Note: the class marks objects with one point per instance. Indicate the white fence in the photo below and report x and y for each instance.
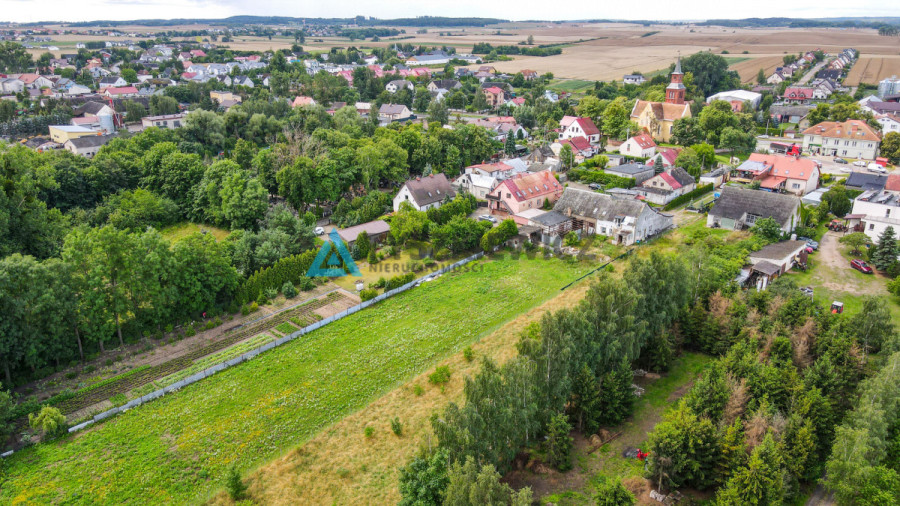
(266, 347)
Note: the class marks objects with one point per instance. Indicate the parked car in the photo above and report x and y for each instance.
(817, 162)
(861, 266)
(840, 160)
(860, 163)
(487, 217)
(874, 167)
(319, 230)
(595, 186)
(809, 242)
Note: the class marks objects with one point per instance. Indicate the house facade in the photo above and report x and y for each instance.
(786, 173)
(739, 208)
(666, 186)
(524, 191)
(639, 146)
(571, 127)
(625, 220)
(164, 121)
(879, 209)
(393, 112)
(425, 193)
(852, 138)
(476, 184)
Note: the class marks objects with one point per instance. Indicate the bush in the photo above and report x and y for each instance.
(305, 283)
(189, 331)
(271, 293)
(398, 281)
(418, 390)
(49, 421)
(372, 257)
(245, 310)
(571, 239)
(397, 427)
(611, 492)
(368, 294)
(209, 325)
(442, 254)
(254, 307)
(596, 176)
(262, 300)
(440, 375)
(687, 197)
(235, 485)
(289, 290)
(380, 283)
(468, 353)
(369, 431)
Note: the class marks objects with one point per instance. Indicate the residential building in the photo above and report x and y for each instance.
(571, 126)
(425, 193)
(524, 191)
(635, 79)
(638, 171)
(889, 86)
(639, 146)
(302, 101)
(739, 208)
(774, 260)
(476, 184)
(852, 138)
(112, 82)
(888, 122)
(658, 118)
(879, 209)
(124, 91)
(494, 96)
(376, 230)
(87, 146)
(798, 95)
(667, 155)
(581, 148)
(393, 112)
(625, 220)
(221, 96)
(791, 174)
(101, 113)
(399, 84)
(789, 113)
(499, 170)
(10, 85)
(865, 181)
(443, 84)
(164, 121)
(666, 186)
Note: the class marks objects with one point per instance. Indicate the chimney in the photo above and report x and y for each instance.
(418, 178)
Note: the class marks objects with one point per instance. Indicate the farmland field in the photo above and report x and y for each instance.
(749, 68)
(177, 449)
(871, 69)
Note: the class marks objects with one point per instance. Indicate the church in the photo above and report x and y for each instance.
(658, 118)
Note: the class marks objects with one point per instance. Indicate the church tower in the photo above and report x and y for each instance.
(675, 90)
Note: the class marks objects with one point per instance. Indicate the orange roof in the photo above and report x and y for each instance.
(853, 129)
(528, 186)
(662, 110)
(644, 141)
(787, 166)
(892, 183)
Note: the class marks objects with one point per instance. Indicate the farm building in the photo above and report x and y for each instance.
(739, 208)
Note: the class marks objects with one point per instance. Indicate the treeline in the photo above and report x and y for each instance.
(760, 422)
(368, 33)
(572, 369)
(486, 48)
(802, 23)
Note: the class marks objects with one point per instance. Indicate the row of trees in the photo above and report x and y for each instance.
(573, 368)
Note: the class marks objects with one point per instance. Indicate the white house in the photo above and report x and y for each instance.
(425, 192)
(571, 126)
(852, 138)
(888, 122)
(87, 146)
(735, 97)
(880, 208)
(639, 146)
(164, 121)
(397, 85)
(636, 79)
(476, 184)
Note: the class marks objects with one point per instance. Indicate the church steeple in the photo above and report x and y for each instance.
(675, 90)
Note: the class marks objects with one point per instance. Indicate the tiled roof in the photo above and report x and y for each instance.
(588, 126)
(430, 189)
(892, 183)
(529, 186)
(644, 141)
(662, 110)
(852, 129)
(578, 143)
(736, 202)
(787, 166)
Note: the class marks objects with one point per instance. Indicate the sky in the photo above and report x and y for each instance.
(88, 10)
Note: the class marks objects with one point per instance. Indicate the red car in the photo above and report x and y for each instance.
(861, 266)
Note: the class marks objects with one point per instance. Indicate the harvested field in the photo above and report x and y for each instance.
(871, 69)
(748, 69)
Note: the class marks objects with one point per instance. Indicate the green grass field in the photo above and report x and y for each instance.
(180, 231)
(734, 60)
(177, 449)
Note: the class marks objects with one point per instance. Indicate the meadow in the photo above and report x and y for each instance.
(178, 448)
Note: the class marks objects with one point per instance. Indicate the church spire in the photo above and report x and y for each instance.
(675, 90)
(678, 65)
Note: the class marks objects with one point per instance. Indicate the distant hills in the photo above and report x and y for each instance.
(848, 22)
(424, 21)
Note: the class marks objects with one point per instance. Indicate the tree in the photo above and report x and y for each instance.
(761, 77)
(736, 140)
(706, 155)
(658, 166)
(837, 200)
(890, 147)
(438, 112)
(235, 485)
(616, 119)
(479, 102)
(205, 128)
(590, 107)
(244, 200)
(470, 485)
(617, 396)
(162, 104)
(710, 73)
(856, 240)
(509, 146)
(611, 492)
(689, 161)
(684, 449)
(886, 251)
(424, 480)
(585, 405)
(873, 325)
(129, 75)
(49, 421)
(687, 132)
(567, 157)
(768, 229)
(134, 111)
(559, 444)
(14, 58)
(530, 40)
(760, 482)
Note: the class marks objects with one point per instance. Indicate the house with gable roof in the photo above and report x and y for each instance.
(739, 208)
(852, 138)
(572, 126)
(425, 193)
(625, 220)
(639, 146)
(524, 191)
(667, 155)
(666, 186)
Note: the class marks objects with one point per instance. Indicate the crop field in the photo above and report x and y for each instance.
(177, 449)
(572, 85)
(749, 68)
(871, 69)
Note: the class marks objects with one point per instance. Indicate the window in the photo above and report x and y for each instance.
(795, 186)
(508, 196)
(887, 213)
(871, 226)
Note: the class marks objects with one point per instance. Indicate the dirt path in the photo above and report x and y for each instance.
(829, 253)
(832, 270)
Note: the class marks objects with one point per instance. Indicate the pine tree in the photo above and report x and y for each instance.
(887, 250)
(559, 444)
(617, 396)
(658, 165)
(510, 147)
(586, 401)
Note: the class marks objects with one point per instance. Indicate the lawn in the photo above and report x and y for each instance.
(177, 449)
(396, 265)
(178, 232)
(734, 60)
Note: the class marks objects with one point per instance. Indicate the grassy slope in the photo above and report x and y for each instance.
(182, 230)
(178, 448)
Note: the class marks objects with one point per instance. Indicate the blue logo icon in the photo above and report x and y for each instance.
(328, 261)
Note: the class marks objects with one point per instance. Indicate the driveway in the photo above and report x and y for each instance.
(829, 251)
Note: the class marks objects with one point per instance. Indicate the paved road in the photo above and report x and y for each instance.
(812, 72)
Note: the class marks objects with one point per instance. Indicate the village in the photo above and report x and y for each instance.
(400, 228)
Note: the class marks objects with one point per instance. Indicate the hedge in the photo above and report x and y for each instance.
(290, 269)
(687, 197)
(598, 176)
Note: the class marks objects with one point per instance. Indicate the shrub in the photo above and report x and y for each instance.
(611, 492)
(372, 257)
(254, 307)
(169, 328)
(442, 254)
(235, 485)
(468, 353)
(245, 310)
(89, 369)
(418, 390)
(210, 325)
(429, 262)
(71, 375)
(49, 421)
(369, 431)
(271, 293)
(262, 300)
(305, 283)
(398, 281)
(380, 283)
(689, 196)
(368, 294)
(289, 290)
(416, 266)
(572, 239)
(440, 375)
(108, 362)
(397, 427)
(190, 332)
